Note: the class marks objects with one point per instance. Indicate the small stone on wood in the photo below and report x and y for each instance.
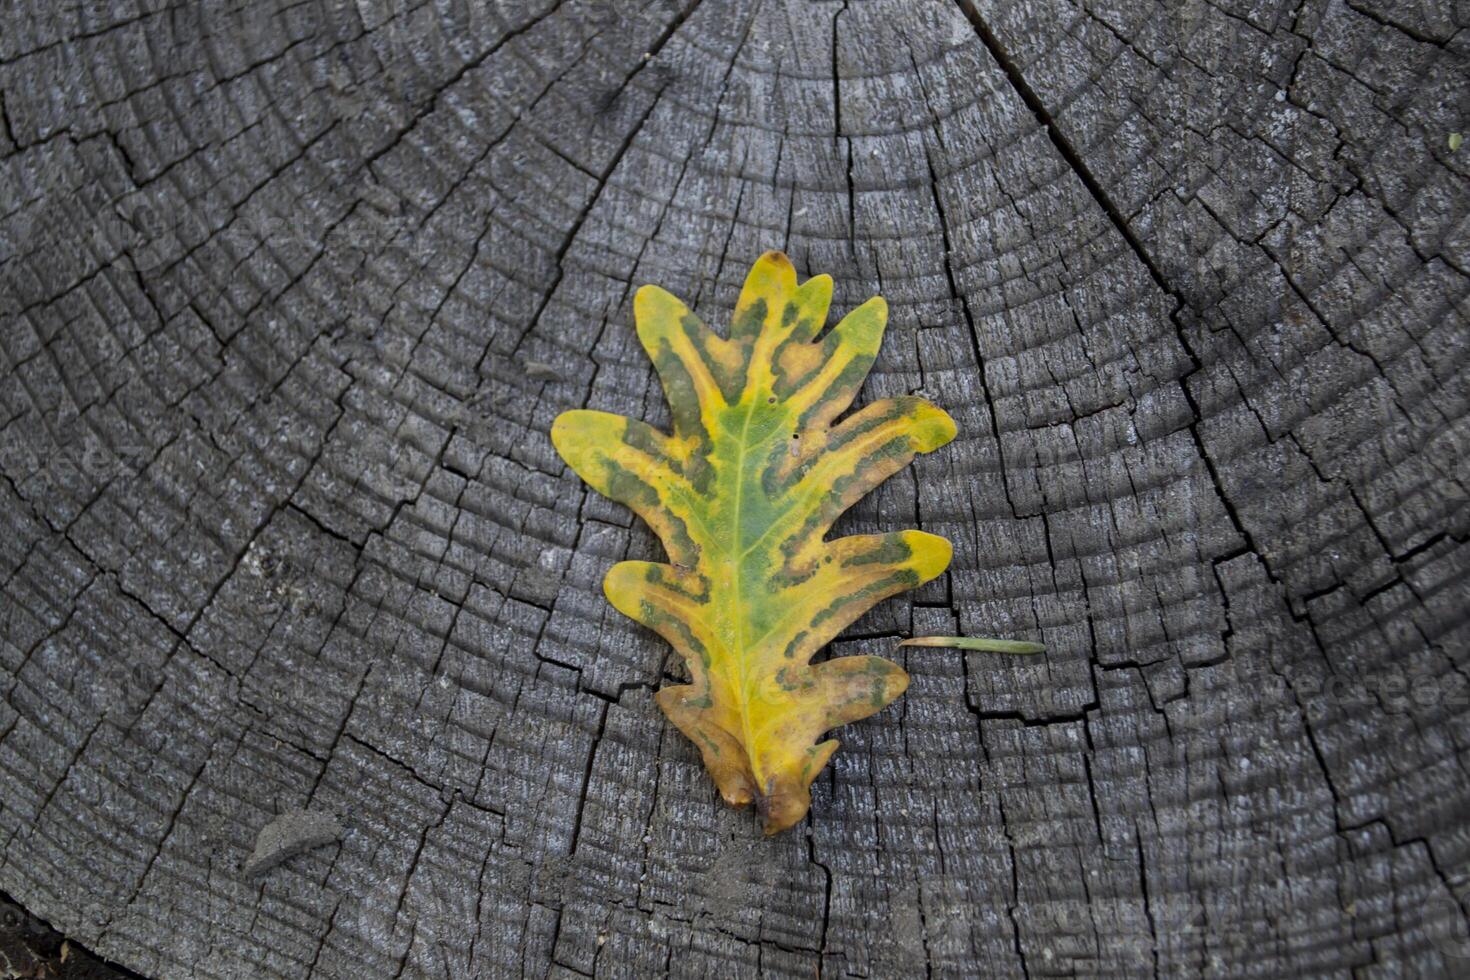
(293, 832)
(541, 371)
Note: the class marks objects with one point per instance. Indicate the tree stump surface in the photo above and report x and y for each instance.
(293, 291)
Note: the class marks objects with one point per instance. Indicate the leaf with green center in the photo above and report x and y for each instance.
(742, 494)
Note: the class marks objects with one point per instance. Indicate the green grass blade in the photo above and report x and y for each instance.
(984, 643)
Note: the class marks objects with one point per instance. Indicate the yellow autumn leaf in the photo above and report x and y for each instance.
(742, 494)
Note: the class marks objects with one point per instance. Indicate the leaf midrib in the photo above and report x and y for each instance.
(739, 599)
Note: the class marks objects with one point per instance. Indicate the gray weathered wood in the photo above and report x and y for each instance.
(291, 292)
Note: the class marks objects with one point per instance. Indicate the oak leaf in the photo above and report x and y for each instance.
(742, 494)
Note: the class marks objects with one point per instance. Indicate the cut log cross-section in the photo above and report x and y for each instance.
(290, 294)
